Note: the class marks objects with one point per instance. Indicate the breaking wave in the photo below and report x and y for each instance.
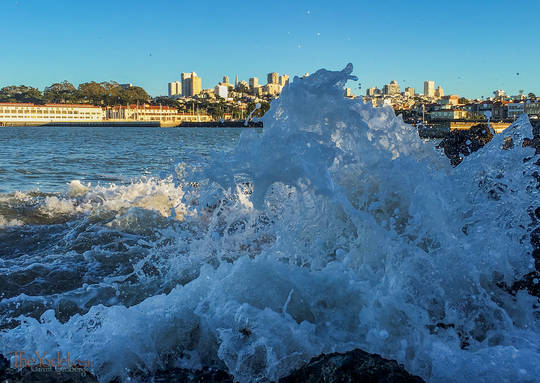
(336, 228)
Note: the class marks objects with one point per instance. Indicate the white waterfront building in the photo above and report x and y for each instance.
(22, 113)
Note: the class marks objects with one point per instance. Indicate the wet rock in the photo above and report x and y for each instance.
(459, 143)
(352, 366)
(192, 376)
(36, 375)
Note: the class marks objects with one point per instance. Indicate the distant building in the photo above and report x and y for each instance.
(125, 86)
(515, 109)
(253, 83)
(448, 114)
(429, 89)
(225, 79)
(273, 78)
(409, 92)
(499, 93)
(532, 108)
(272, 89)
(392, 88)
(439, 93)
(283, 79)
(165, 114)
(347, 93)
(373, 91)
(452, 99)
(16, 113)
(222, 91)
(191, 84)
(175, 88)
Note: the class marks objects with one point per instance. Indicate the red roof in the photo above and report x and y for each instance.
(48, 105)
(133, 106)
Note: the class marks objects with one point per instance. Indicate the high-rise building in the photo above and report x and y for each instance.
(392, 88)
(439, 93)
(191, 84)
(221, 91)
(253, 83)
(429, 88)
(273, 78)
(175, 88)
(283, 79)
(409, 92)
(373, 91)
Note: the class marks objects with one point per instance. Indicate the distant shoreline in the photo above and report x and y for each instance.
(153, 124)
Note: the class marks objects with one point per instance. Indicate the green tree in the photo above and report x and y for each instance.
(463, 100)
(133, 95)
(532, 96)
(60, 93)
(91, 93)
(21, 93)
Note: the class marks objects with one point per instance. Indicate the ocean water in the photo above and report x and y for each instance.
(336, 227)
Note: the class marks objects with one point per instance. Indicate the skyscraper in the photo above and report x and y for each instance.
(253, 82)
(175, 88)
(392, 88)
(191, 84)
(429, 89)
(273, 78)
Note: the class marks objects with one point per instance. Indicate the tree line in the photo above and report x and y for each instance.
(106, 93)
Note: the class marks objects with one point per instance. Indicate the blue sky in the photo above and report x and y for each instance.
(468, 47)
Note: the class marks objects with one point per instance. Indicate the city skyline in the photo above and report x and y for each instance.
(484, 49)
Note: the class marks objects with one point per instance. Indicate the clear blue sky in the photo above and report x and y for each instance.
(468, 47)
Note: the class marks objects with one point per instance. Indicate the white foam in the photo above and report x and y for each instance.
(352, 232)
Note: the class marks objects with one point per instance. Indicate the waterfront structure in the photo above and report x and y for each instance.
(429, 89)
(409, 92)
(222, 91)
(273, 78)
(392, 88)
(532, 108)
(515, 109)
(163, 114)
(449, 114)
(191, 84)
(175, 88)
(21, 113)
(347, 93)
(283, 80)
(253, 83)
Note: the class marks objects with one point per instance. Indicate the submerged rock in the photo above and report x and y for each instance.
(352, 366)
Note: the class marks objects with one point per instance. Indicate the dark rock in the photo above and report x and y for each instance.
(181, 375)
(29, 375)
(529, 282)
(465, 142)
(352, 366)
